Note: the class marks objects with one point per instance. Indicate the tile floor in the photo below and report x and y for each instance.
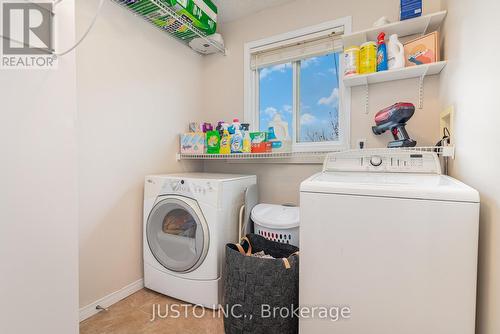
(133, 316)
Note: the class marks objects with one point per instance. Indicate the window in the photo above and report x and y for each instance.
(295, 79)
(275, 95)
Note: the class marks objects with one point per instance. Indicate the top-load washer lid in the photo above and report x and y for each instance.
(388, 173)
(398, 185)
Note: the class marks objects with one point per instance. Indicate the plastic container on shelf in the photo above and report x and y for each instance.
(235, 126)
(237, 142)
(351, 61)
(281, 132)
(368, 58)
(382, 63)
(395, 53)
(225, 142)
(247, 140)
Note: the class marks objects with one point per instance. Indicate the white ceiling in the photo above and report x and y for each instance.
(230, 10)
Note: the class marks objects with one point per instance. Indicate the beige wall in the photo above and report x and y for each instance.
(134, 99)
(137, 89)
(223, 85)
(39, 194)
(470, 82)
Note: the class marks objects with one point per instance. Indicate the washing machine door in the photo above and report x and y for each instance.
(177, 233)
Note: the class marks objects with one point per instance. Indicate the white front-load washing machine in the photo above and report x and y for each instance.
(188, 219)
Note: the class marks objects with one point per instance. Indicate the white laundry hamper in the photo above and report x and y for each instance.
(277, 223)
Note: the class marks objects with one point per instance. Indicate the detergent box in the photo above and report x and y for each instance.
(423, 50)
(213, 142)
(410, 9)
(202, 14)
(260, 144)
(193, 143)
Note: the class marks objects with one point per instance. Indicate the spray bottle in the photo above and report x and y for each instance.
(382, 64)
(235, 126)
(225, 141)
(247, 140)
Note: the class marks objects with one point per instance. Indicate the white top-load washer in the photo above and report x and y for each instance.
(386, 235)
(188, 219)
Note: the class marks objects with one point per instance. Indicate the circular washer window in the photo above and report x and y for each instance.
(177, 234)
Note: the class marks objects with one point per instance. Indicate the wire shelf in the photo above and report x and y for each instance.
(446, 151)
(250, 156)
(164, 10)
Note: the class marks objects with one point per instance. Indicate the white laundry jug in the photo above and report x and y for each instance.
(395, 53)
(282, 134)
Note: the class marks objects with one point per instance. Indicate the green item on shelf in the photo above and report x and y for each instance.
(213, 142)
(258, 137)
(202, 14)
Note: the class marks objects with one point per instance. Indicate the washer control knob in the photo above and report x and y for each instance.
(376, 161)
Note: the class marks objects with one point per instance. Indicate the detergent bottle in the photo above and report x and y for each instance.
(235, 126)
(237, 141)
(276, 144)
(247, 140)
(382, 64)
(280, 128)
(395, 53)
(368, 58)
(225, 142)
(220, 127)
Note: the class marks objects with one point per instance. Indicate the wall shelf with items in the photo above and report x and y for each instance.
(446, 151)
(255, 156)
(166, 19)
(396, 74)
(407, 28)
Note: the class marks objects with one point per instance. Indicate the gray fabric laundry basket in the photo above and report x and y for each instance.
(254, 287)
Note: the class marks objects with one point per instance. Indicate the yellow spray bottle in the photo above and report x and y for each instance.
(247, 141)
(225, 142)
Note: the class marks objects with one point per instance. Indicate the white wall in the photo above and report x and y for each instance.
(38, 195)
(223, 88)
(137, 90)
(470, 82)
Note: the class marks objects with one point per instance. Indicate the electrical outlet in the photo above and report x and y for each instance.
(361, 143)
(447, 121)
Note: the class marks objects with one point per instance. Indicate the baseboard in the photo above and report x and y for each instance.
(90, 310)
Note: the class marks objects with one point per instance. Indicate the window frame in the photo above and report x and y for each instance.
(251, 83)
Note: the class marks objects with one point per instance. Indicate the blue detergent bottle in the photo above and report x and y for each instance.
(382, 61)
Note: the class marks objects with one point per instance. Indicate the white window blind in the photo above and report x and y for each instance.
(317, 44)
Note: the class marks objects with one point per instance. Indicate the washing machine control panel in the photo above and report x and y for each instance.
(191, 188)
(380, 160)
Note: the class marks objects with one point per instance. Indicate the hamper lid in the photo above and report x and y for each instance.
(276, 216)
